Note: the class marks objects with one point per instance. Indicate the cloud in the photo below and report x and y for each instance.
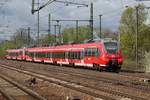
(18, 13)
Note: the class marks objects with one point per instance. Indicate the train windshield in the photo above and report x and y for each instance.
(111, 47)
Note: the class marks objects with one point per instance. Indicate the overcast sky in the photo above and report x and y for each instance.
(16, 14)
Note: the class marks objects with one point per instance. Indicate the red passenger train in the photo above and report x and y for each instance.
(100, 54)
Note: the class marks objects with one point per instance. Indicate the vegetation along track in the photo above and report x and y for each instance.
(7, 83)
(66, 81)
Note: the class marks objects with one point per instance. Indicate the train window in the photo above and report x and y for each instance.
(95, 52)
(20, 52)
(36, 54)
(91, 52)
(78, 55)
(31, 54)
(53, 54)
(82, 54)
(111, 47)
(73, 55)
(69, 55)
(49, 55)
(44, 54)
(65, 55)
(26, 52)
(58, 54)
(87, 52)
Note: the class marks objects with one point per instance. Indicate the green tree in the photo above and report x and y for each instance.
(4, 46)
(47, 39)
(19, 40)
(128, 29)
(70, 34)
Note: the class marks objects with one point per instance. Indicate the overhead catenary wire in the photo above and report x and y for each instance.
(112, 13)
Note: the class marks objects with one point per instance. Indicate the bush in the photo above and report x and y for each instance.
(130, 65)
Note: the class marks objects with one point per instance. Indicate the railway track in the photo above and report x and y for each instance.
(135, 84)
(141, 75)
(69, 85)
(124, 74)
(9, 87)
(129, 83)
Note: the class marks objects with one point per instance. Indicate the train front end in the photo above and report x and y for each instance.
(112, 56)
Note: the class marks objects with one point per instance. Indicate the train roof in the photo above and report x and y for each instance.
(109, 40)
(14, 50)
(89, 43)
(64, 47)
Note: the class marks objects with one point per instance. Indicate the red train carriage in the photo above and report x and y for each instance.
(12, 54)
(102, 54)
(18, 54)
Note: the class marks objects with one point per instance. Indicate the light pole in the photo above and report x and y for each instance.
(49, 24)
(38, 26)
(77, 29)
(100, 24)
(28, 36)
(77, 25)
(33, 10)
(55, 32)
(91, 19)
(137, 32)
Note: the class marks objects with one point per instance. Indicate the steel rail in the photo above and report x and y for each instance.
(23, 88)
(116, 93)
(62, 83)
(132, 84)
(46, 77)
(5, 94)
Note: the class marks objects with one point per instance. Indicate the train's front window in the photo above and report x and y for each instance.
(111, 47)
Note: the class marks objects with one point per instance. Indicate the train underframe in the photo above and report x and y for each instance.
(113, 65)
